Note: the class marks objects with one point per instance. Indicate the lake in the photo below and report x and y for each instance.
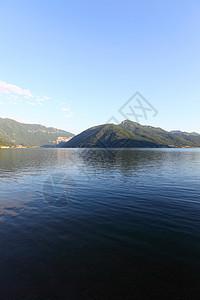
(100, 224)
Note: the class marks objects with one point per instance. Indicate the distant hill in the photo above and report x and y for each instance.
(178, 132)
(3, 144)
(163, 137)
(130, 134)
(28, 135)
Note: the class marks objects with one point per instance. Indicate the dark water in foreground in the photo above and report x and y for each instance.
(94, 224)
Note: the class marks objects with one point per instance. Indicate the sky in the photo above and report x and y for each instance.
(75, 64)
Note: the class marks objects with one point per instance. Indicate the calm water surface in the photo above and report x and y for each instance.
(99, 224)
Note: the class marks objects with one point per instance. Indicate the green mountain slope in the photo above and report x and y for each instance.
(162, 137)
(3, 144)
(130, 134)
(108, 135)
(178, 132)
(28, 135)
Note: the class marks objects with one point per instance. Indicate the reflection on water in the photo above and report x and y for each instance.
(99, 224)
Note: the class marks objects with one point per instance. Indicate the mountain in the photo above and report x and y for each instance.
(130, 134)
(29, 135)
(3, 144)
(178, 132)
(108, 135)
(162, 137)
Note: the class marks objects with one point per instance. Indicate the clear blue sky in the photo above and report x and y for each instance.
(73, 64)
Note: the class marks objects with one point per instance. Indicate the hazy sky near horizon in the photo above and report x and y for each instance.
(73, 64)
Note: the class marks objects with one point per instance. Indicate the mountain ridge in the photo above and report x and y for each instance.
(14, 133)
(130, 134)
